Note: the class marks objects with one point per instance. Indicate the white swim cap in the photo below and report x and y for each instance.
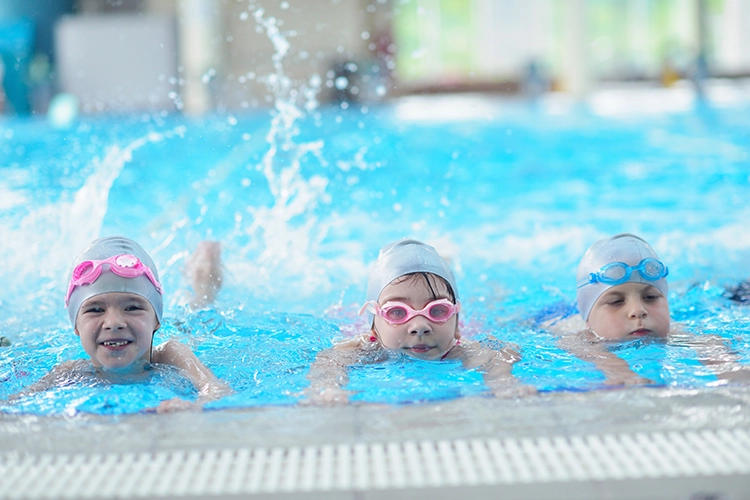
(405, 257)
(639, 260)
(146, 283)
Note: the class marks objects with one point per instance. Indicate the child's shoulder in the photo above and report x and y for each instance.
(74, 366)
(560, 326)
(164, 352)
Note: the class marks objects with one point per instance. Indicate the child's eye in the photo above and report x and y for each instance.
(439, 311)
(396, 313)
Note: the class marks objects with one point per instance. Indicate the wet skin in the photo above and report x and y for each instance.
(630, 310)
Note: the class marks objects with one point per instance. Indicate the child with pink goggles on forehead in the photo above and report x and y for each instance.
(115, 304)
(412, 305)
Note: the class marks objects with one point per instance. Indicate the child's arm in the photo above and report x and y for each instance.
(496, 367)
(57, 377)
(329, 373)
(714, 353)
(615, 369)
(208, 385)
(204, 270)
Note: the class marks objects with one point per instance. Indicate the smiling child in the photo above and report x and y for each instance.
(114, 302)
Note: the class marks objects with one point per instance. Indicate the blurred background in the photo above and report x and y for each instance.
(198, 56)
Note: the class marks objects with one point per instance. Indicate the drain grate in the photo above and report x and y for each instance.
(377, 466)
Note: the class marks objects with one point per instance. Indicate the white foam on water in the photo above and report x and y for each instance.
(48, 237)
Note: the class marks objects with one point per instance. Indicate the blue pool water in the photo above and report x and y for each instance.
(511, 193)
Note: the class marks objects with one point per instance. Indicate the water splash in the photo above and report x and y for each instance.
(285, 238)
(54, 233)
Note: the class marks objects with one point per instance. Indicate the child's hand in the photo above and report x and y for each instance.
(734, 375)
(510, 387)
(330, 396)
(175, 405)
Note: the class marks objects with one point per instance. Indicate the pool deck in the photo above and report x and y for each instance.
(546, 418)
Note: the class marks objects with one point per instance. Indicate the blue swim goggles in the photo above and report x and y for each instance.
(617, 273)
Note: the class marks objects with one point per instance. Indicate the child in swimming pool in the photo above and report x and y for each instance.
(412, 304)
(114, 301)
(622, 295)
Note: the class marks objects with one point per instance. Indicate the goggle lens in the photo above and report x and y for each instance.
(395, 314)
(440, 312)
(652, 269)
(83, 269)
(615, 272)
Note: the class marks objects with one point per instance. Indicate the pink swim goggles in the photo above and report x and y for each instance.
(125, 265)
(398, 313)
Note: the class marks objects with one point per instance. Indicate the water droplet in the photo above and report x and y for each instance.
(342, 82)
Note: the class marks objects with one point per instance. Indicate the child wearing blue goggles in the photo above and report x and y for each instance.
(622, 294)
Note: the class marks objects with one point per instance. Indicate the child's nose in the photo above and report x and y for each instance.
(114, 321)
(637, 310)
(420, 326)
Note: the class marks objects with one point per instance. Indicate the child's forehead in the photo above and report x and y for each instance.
(418, 282)
(631, 287)
(114, 297)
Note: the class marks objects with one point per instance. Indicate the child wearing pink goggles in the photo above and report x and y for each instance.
(412, 305)
(114, 301)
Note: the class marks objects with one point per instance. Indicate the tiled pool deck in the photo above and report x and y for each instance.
(639, 443)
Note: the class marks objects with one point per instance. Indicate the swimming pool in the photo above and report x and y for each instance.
(511, 192)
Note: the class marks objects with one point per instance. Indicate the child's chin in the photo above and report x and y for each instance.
(424, 356)
(118, 365)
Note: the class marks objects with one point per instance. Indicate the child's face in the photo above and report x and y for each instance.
(418, 337)
(630, 310)
(116, 329)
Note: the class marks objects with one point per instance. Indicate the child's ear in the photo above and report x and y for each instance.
(374, 334)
